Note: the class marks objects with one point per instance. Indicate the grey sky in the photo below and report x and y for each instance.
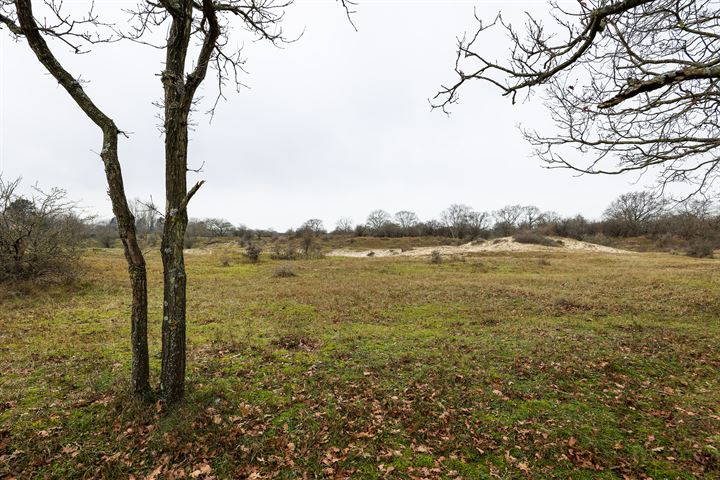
(334, 125)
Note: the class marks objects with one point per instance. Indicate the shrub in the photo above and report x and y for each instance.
(284, 271)
(153, 239)
(287, 253)
(190, 241)
(435, 256)
(598, 239)
(105, 234)
(668, 241)
(252, 253)
(700, 249)
(39, 235)
(536, 239)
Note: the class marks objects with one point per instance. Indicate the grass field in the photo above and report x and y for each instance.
(559, 365)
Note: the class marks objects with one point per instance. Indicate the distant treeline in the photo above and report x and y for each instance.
(630, 215)
(41, 234)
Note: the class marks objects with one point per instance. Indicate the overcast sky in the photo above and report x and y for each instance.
(334, 125)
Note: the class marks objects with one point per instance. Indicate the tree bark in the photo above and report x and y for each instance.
(116, 190)
(177, 110)
(172, 377)
(179, 94)
(140, 369)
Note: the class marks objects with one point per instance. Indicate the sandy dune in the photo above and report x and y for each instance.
(505, 244)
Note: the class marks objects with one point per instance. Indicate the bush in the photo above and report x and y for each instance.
(284, 271)
(700, 249)
(190, 241)
(668, 241)
(287, 253)
(536, 239)
(39, 235)
(252, 253)
(599, 239)
(435, 256)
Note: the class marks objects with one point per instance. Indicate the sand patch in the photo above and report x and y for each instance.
(505, 244)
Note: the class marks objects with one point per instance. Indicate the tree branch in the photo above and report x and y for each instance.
(638, 87)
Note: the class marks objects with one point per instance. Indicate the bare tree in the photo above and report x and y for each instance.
(478, 221)
(314, 226)
(377, 219)
(307, 232)
(209, 23)
(344, 225)
(530, 217)
(632, 211)
(456, 217)
(701, 208)
(406, 220)
(218, 227)
(507, 219)
(19, 18)
(632, 84)
(184, 22)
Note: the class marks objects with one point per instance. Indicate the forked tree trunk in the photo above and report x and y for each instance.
(113, 173)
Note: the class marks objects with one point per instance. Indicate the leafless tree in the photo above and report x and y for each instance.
(455, 218)
(377, 219)
(701, 208)
(344, 225)
(314, 226)
(478, 221)
(507, 218)
(207, 23)
(634, 210)
(406, 219)
(308, 232)
(696, 218)
(218, 227)
(634, 85)
(19, 18)
(549, 218)
(530, 217)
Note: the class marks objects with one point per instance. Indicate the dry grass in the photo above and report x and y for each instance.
(509, 365)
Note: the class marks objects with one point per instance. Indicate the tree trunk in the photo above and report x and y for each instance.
(179, 94)
(126, 222)
(177, 110)
(140, 369)
(172, 377)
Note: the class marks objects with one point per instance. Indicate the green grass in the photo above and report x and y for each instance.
(500, 366)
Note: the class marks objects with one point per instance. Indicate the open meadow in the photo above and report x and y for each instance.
(486, 365)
